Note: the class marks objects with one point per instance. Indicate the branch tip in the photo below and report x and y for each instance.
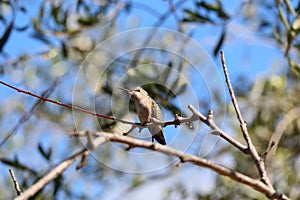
(16, 183)
(84, 160)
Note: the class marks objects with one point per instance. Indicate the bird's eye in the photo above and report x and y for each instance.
(138, 90)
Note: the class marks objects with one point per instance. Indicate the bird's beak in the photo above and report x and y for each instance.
(128, 91)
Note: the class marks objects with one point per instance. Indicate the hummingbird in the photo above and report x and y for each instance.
(146, 109)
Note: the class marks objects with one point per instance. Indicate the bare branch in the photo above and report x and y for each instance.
(210, 123)
(184, 158)
(56, 171)
(103, 137)
(259, 162)
(31, 111)
(17, 187)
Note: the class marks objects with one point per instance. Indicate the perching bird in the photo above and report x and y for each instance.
(146, 109)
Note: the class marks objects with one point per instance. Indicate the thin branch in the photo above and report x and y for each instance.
(259, 162)
(31, 111)
(56, 102)
(176, 17)
(16, 183)
(210, 123)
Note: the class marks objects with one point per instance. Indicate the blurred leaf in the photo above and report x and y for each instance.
(37, 25)
(296, 24)
(40, 37)
(23, 9)
(58, 182)
(137, 181)
(181, 89)
(283, 17)
(24, 28)
(276, 35)
(6, 35)
(87, 21)
(165, 74)
(297, 46)
(64, 49)
(264, 24)
(290, 7)
(16, 164)
(196, 17)
(220, 43)
(294, 66)
(217, 8)
(45, 153)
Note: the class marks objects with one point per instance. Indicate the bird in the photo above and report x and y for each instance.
(147, 109)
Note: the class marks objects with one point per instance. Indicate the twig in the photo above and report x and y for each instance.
(31, 111)
(17, 187)
(176, 17)
(210, 123)
(260, 165)
(56, 102)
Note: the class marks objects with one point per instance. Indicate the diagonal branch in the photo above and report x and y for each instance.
(184, 157)
(16, 183)
(210, 123)
(56, 171)
(259, 162)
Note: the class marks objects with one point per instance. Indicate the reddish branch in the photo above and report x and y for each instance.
(56, 102)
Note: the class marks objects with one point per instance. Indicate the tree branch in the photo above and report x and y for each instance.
(176, 122)
(184, 157)
(259, 162)
(17, 187)
(56, 171)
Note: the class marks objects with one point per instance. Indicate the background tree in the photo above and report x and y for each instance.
(52, 40)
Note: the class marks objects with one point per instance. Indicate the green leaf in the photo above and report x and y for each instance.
(277, 35)
(294, 66)
(196, 17)
(218, 8)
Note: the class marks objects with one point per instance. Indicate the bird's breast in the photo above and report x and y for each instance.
(143, 109)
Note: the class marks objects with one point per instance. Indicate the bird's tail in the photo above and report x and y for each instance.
(159, 137)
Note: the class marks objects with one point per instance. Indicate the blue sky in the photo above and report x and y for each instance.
(246, 53)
